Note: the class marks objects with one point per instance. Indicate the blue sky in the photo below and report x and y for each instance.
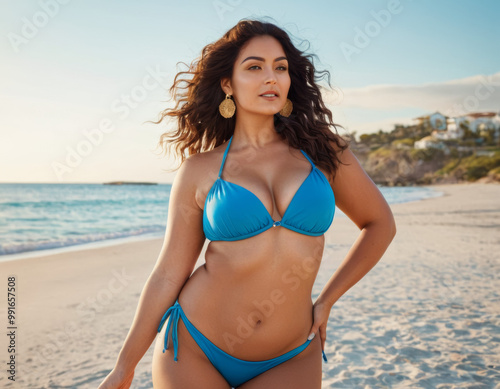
(69, 67)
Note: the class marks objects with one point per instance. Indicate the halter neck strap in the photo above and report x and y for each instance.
(308, 158)
(225, 155)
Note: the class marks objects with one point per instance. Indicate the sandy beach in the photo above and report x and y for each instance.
(426, 316)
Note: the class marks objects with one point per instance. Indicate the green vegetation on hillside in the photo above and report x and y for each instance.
(391, 159)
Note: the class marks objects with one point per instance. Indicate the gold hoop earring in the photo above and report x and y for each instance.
(227, 107)
(287, 109)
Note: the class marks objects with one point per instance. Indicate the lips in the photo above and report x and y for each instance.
(270, 93)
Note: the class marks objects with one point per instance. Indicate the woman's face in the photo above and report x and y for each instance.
(261, 66)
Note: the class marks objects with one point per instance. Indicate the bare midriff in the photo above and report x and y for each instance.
(252, 297)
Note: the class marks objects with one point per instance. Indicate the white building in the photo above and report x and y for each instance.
(478, 121)
(436, 120)
(428, 142)
(445, 128)
(453, 131)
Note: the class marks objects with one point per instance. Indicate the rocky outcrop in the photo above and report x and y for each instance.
(399, 167)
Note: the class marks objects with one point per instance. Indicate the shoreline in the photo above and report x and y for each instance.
(77, 247)
(130, 238)
(427, 312)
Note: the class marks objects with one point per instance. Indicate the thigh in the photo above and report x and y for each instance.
(302, 371)
(192, 370)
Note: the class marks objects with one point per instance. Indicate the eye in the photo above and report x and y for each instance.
(282, 67)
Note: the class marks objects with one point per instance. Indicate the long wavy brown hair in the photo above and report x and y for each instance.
(202, 128)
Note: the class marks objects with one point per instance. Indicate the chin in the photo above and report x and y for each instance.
(264, 113)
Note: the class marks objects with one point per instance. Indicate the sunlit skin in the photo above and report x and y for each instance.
(237, 273)
(278, 265)
(252, 77)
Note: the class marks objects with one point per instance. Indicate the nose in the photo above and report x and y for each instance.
(271, 80)
(270, 77)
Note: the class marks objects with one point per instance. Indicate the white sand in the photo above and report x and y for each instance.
(427, 315)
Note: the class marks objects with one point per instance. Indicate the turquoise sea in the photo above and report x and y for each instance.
(58, 217)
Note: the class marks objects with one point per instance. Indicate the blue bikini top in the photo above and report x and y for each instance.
(233, 213)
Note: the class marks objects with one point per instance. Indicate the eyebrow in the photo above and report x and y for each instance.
(262, 59)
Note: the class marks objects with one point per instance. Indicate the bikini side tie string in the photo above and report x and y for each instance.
(173, 312)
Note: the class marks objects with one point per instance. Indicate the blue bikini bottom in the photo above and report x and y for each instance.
(236, 371)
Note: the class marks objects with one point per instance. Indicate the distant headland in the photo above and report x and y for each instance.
(129, 183)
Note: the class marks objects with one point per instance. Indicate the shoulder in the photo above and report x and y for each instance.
(342, 145)
(198, 172)
(199, 164)
(342, 150)
(349, 170)
(191, 170)
(356, 195)
(206, 163)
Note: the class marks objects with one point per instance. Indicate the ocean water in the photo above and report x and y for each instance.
(46, 218)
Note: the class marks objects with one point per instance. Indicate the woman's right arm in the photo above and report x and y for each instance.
(183, 242)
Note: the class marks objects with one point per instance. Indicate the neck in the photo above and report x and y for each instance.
(255, 130)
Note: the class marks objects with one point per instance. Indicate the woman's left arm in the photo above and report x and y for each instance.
(361, 200)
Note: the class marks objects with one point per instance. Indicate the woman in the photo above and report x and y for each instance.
(264, 194)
